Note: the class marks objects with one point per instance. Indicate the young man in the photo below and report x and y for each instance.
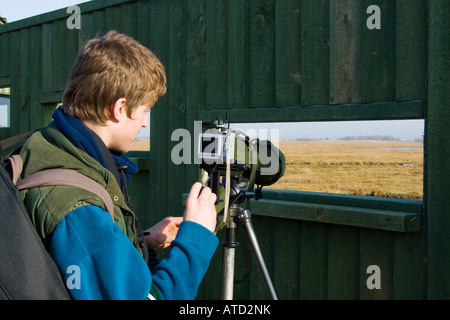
(113, 83)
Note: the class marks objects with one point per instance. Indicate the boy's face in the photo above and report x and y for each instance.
(129, 128)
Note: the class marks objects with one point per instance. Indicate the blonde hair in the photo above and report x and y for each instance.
(109, 68)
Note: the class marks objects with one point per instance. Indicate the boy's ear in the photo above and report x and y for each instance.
(119, 109)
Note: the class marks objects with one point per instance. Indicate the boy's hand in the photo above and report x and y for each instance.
(200, 206)
(163, 233)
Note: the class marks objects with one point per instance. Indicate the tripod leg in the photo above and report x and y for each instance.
(228, 258)
(228, 273)
(258, 255)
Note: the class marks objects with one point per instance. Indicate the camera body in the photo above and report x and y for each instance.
(230, 156)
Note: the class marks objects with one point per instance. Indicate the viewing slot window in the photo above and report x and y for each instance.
(4, 108)
(367, 158)
(142, 141)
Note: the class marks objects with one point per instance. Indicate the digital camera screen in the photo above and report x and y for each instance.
(211, 146)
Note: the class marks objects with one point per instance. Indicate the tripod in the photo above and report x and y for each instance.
(239, 193)
(237, 216)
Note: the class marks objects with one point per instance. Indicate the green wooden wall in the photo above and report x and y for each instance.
(276, 61)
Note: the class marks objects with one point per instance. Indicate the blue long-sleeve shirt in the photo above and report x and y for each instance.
(98, 260)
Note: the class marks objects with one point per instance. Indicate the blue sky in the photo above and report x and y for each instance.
(15, 10)
(401, 129)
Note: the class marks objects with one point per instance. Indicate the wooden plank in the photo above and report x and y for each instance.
(217, 54)
(315, 75)
(113, 18)
(15, 83)
(24, 74)
(411, 49)
(286, 276)
(129, 25)
(99, 26)
(345, 112)
(409, 267)
(238, 54)
(195, 71)
(378, 55)
(58, 56)
(36, 117)
(288, 78)
(262, 53)
(343, 263)
(48, 63)
(313, 260)
(139, 198)
(5, 55)
(65, 51)
(376, 249)
(143, 31)
(437, 146)
(158, 183)
(345, 51)
(177, 105)
(4, 48)
(86, 33)
(195, 98)
(335, 214)
(379, 203)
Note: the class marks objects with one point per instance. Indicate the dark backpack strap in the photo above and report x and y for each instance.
(67, 177)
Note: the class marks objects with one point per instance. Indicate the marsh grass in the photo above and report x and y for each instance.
(374, 168)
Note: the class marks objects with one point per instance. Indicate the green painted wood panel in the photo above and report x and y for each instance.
(345, 51)
(176, 105)
(315, 52)
(5, 54)
(262, 53)
(238, 54)
(158, 184)
(378, 55)
(288, 77)
(216, 20)
(437, 152)
(410, 49)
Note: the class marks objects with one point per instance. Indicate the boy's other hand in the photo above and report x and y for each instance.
(163, 233)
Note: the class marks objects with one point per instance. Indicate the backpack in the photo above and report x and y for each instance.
(27, 271)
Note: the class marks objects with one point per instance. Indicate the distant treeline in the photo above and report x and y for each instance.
(372, 137)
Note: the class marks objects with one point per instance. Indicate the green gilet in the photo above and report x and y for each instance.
(47, 206)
